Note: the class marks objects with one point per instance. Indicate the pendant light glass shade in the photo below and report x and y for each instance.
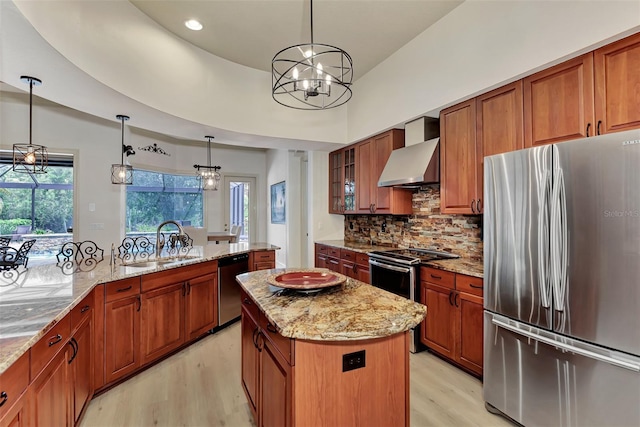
(30, 158)
(208, 175)
(122, 174)
(311, 76)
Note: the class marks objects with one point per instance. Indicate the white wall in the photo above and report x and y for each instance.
(96, 145)
(478, 46)
(278, 234)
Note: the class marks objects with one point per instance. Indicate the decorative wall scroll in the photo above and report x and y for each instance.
(154, 148)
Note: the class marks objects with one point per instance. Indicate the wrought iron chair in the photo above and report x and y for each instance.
(4, 241)
(13, 258)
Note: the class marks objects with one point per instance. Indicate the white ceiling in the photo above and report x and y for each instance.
(251, 32)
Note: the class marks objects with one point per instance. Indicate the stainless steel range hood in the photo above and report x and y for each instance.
(419, 161)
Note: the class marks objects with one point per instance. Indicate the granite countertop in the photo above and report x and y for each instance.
(33, 300)
(351, 311)
(462, 265)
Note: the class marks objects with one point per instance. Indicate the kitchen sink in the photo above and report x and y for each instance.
(158, 262)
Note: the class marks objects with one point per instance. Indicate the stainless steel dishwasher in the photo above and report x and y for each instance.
(229, 304)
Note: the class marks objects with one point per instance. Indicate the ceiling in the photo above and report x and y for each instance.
(251, 32)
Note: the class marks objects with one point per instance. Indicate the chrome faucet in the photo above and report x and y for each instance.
(160, 244)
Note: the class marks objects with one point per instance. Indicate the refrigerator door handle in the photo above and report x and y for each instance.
(559, 241)
(568, 347)
(543, 242)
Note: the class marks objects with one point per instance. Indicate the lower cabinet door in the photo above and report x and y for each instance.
(275, 387)
(250, 361)
(51, 393)
(18, 414)
(82, 368)
(122, 337)
(470, 346)
(363, 274)
(201, 305)
(440, 324)
(161, 322)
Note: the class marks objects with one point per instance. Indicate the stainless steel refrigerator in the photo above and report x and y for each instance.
(562, 282)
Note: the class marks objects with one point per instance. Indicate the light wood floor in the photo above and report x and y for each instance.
(200, 386)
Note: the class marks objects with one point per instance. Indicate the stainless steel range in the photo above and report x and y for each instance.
(397, 271)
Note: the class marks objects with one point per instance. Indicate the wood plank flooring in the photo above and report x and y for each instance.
(200, 386)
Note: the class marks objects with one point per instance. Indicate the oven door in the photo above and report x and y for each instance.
(397, 279)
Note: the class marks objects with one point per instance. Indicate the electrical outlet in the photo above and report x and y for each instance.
(353, 361)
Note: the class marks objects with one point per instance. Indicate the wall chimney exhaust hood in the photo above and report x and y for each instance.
(419, 161)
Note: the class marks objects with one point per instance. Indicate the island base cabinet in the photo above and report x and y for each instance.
(374, 395)
(122, 332)
(275, 387)
(82, 368)
(161, 321)
(250, 361)
(18, 414)
(201, 306)
(51, 398)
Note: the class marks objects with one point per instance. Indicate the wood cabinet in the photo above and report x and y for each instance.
(372, 157)
(51, 392)
(342, 180)
(617, 83)
(275, 386)
(17, 414)
(355, 265)
(262, 260)
(161, 321)
(122, 328)
(13, 393)
(559, 102)
(250, 359)
(458, 159)
(453, 327)
(82, 367)
(201, 306)
(320, 255)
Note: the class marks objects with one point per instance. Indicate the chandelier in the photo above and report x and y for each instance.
(122, 173)
(30, 158)
(208, 175)
(311, 76)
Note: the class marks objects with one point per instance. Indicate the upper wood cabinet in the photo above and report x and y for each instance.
(617, 77)
(372, 157)
(558, 102)
(458, 159)
(342, 180)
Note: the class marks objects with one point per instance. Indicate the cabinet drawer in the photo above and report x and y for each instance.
(264, 265)
(348, 255)
(176, 275)
(81, 311)
(249, 304)
(469, 284)
(283, 344)
(122, 289)
(334, 252)
(321, 249)
(263, 256)
(54, 340)
(13, 382)
(362, 259)
(437, 277)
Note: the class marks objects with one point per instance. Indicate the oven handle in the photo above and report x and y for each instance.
(389, 266)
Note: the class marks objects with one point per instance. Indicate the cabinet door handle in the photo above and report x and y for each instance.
(55, 340)
(598, 127)
(434, 276)
(188, 288)
(271, 328)
(84, 309)
(124, 289)
(254, 337)
(473, 206)
(588, 127)
(4, 396)
(139, 303)
(247, 301)
(479, 206)
(74, 345)
(455, 299)
(373, 208)
(475, 286)
(258, 346)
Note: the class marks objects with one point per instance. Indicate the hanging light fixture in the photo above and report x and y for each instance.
(122, 173)
(30, 158)
(311, 76)
(208, 175)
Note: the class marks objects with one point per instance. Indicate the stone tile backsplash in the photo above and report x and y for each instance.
(426, 228)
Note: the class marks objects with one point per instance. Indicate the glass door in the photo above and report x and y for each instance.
(240, 210)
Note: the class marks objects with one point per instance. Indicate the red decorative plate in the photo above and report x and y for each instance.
(306, 279)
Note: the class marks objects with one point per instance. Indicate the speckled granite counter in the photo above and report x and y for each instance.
(353, 311)
(35, 299)
(468, 266)
(462, 265)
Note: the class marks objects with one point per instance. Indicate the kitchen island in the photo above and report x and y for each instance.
(336, 357)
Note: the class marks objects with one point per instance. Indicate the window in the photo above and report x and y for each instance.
(155, 197)
(37, 206)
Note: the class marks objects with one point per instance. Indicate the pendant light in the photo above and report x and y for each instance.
(30, 158)
(311, 76)
(122, 173)
(208, 175)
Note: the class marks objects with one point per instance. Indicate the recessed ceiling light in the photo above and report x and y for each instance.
(192, 24)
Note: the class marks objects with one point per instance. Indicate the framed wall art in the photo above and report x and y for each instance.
(278, 203)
